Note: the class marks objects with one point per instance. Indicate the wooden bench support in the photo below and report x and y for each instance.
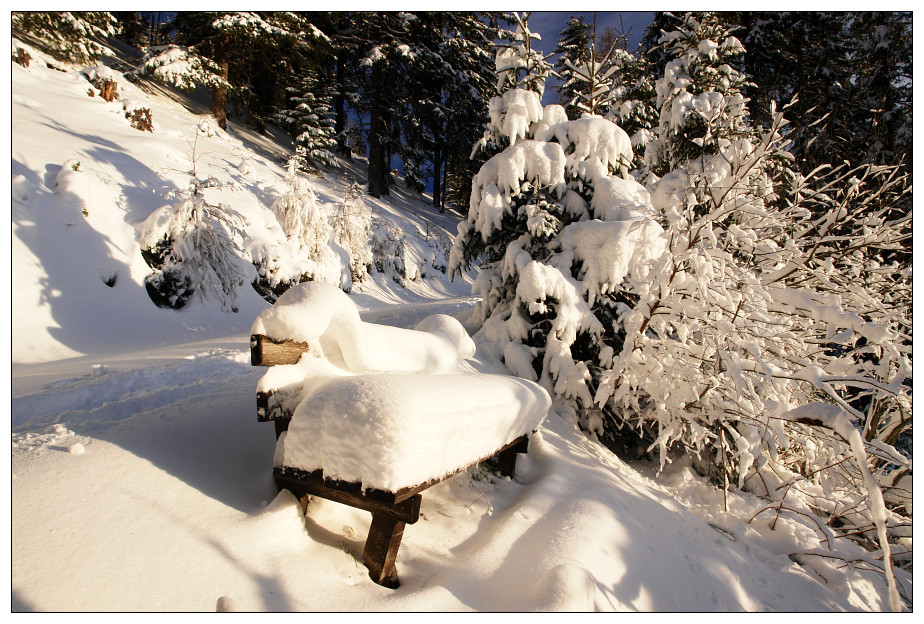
(391, 511)
(381, 550)
(507, 457)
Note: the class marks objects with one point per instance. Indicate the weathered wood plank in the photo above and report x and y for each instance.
(508, 451)
(300, 483)
(265, 351)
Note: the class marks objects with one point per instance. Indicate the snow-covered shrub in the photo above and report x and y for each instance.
(771, 339)
(352, 221)
(104, 80)
(307, 254)
(68, 35)
(193, 247)
(141, 119)
(22, 57)
(762, 330)
(389, 251)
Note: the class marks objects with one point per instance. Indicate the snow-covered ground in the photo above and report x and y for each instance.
(141, 480)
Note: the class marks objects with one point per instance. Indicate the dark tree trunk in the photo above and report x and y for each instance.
(437, 175)
(378, 135)
(220, 101)
(155, 24)
(340, 117)
(220, 94)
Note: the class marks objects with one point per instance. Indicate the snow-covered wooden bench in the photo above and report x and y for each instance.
(371, 416)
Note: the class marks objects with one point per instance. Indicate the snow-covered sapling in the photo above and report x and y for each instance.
(194, 248)
(352, 224)
(307, 253)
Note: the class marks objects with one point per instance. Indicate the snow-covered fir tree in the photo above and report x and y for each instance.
(219, 49)
(310, 119)
(633, 104)
(575, 43)
(587, 76)
(558, 231)
(518, 63)
(72, 36)
(701, 95)
(352, 223)
(194, 247)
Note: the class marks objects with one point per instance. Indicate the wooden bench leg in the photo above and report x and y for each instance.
(507, 459)
(381, 550)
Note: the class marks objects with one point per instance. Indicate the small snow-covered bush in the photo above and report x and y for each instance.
(193, 247)
(141, 119)
(307, 254)
(352, 222)
(22, 57)
(389, 251)
(104, 80)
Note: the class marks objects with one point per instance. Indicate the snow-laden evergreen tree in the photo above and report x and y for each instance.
(633, 101)
(518, 63)
(227, 51)
(588, 77)
(701, 95)
(575, 43)
(557, 231)
(72, 36)
(468, 86)
(311, 120)
(352, 223)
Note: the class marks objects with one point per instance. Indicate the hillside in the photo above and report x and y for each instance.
(141, 480)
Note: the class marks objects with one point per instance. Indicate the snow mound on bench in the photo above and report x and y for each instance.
(320, 313)
(394, 430)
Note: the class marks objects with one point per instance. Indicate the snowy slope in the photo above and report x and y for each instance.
(83, 182)
(141, 480)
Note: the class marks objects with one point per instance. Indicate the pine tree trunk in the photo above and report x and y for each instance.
(220, 97)
(378, 166)
(155, 24)
(437, 175)
(340, 109)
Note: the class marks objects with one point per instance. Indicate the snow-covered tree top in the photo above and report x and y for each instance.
(180, 67)
(518, 65)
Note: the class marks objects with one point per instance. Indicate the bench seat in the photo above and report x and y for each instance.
(389, 431)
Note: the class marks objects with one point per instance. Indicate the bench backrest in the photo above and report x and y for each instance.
(264, 351)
